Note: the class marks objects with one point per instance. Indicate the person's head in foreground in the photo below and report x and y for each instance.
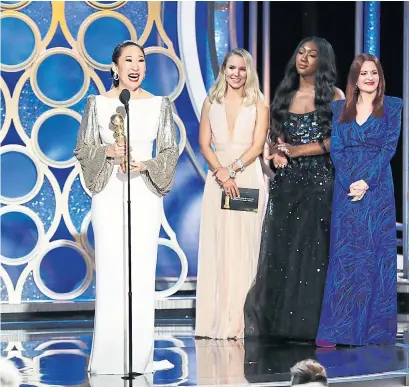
(9, 375)
(308, 372)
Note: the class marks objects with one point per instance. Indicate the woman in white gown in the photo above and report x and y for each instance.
(151, 178)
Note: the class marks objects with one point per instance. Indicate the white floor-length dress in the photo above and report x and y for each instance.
(109, 220)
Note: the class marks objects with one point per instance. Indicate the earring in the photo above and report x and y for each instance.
(116, 76)
(356, 89)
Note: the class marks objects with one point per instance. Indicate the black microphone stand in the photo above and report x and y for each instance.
(124, 98)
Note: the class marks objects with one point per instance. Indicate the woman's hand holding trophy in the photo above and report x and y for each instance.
(118, 148)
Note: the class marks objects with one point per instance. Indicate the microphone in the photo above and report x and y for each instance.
(125, 96)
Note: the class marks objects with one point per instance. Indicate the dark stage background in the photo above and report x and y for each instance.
(334, 21)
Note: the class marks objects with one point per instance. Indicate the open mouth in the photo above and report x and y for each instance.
(133, 77)
(370, 83)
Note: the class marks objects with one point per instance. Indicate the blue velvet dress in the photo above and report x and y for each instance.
(360, 304)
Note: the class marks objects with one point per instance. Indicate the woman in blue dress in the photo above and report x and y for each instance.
(359, 304)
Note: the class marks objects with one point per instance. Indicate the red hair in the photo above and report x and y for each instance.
(349, 112)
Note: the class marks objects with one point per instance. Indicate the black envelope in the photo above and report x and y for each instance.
(248, 200)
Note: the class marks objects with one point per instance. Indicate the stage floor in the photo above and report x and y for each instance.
(59, 356)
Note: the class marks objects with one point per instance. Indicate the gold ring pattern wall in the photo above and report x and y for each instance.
(56, 54)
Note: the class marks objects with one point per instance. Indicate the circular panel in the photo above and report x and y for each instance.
(54, 137)
(60, 77)
(13, 164)
(14, 5)
(17, 41)
(20, 39)
(108, 30)
(19, 236)
(108, 27)
(63, 270)
(58, 145)
(156, 66)
(161, 61)
(101, 5)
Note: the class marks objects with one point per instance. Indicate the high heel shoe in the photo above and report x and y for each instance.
(325, 344)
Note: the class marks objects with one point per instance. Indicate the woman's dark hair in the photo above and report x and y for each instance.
(308, 371)
(117, 53)
(325, 78)
(349, 112)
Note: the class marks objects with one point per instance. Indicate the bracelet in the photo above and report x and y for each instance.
(232, 172)
(106, 151)
(216, 170)
(240, 164)
(322, 145)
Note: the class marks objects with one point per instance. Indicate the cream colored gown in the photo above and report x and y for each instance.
(229, 240)
(220, 362)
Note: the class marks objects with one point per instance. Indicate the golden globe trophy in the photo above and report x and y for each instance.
(117, 120)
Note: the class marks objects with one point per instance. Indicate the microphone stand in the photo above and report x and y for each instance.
(130, 375)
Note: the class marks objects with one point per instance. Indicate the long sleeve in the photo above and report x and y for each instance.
(160, 170)
(393, 113)
(337, 149)
(338, 158)
(96, 167)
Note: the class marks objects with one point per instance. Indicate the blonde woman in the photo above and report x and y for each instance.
(233, 130)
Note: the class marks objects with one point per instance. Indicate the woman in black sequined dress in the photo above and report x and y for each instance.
(285, 300)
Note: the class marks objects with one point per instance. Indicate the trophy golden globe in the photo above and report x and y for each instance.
(227, 202)
(117, 120)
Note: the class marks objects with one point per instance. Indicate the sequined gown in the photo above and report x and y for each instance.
(285, 299)
(359, 305)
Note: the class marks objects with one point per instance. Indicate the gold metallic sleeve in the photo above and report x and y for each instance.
(160, 170)
(96, 166)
